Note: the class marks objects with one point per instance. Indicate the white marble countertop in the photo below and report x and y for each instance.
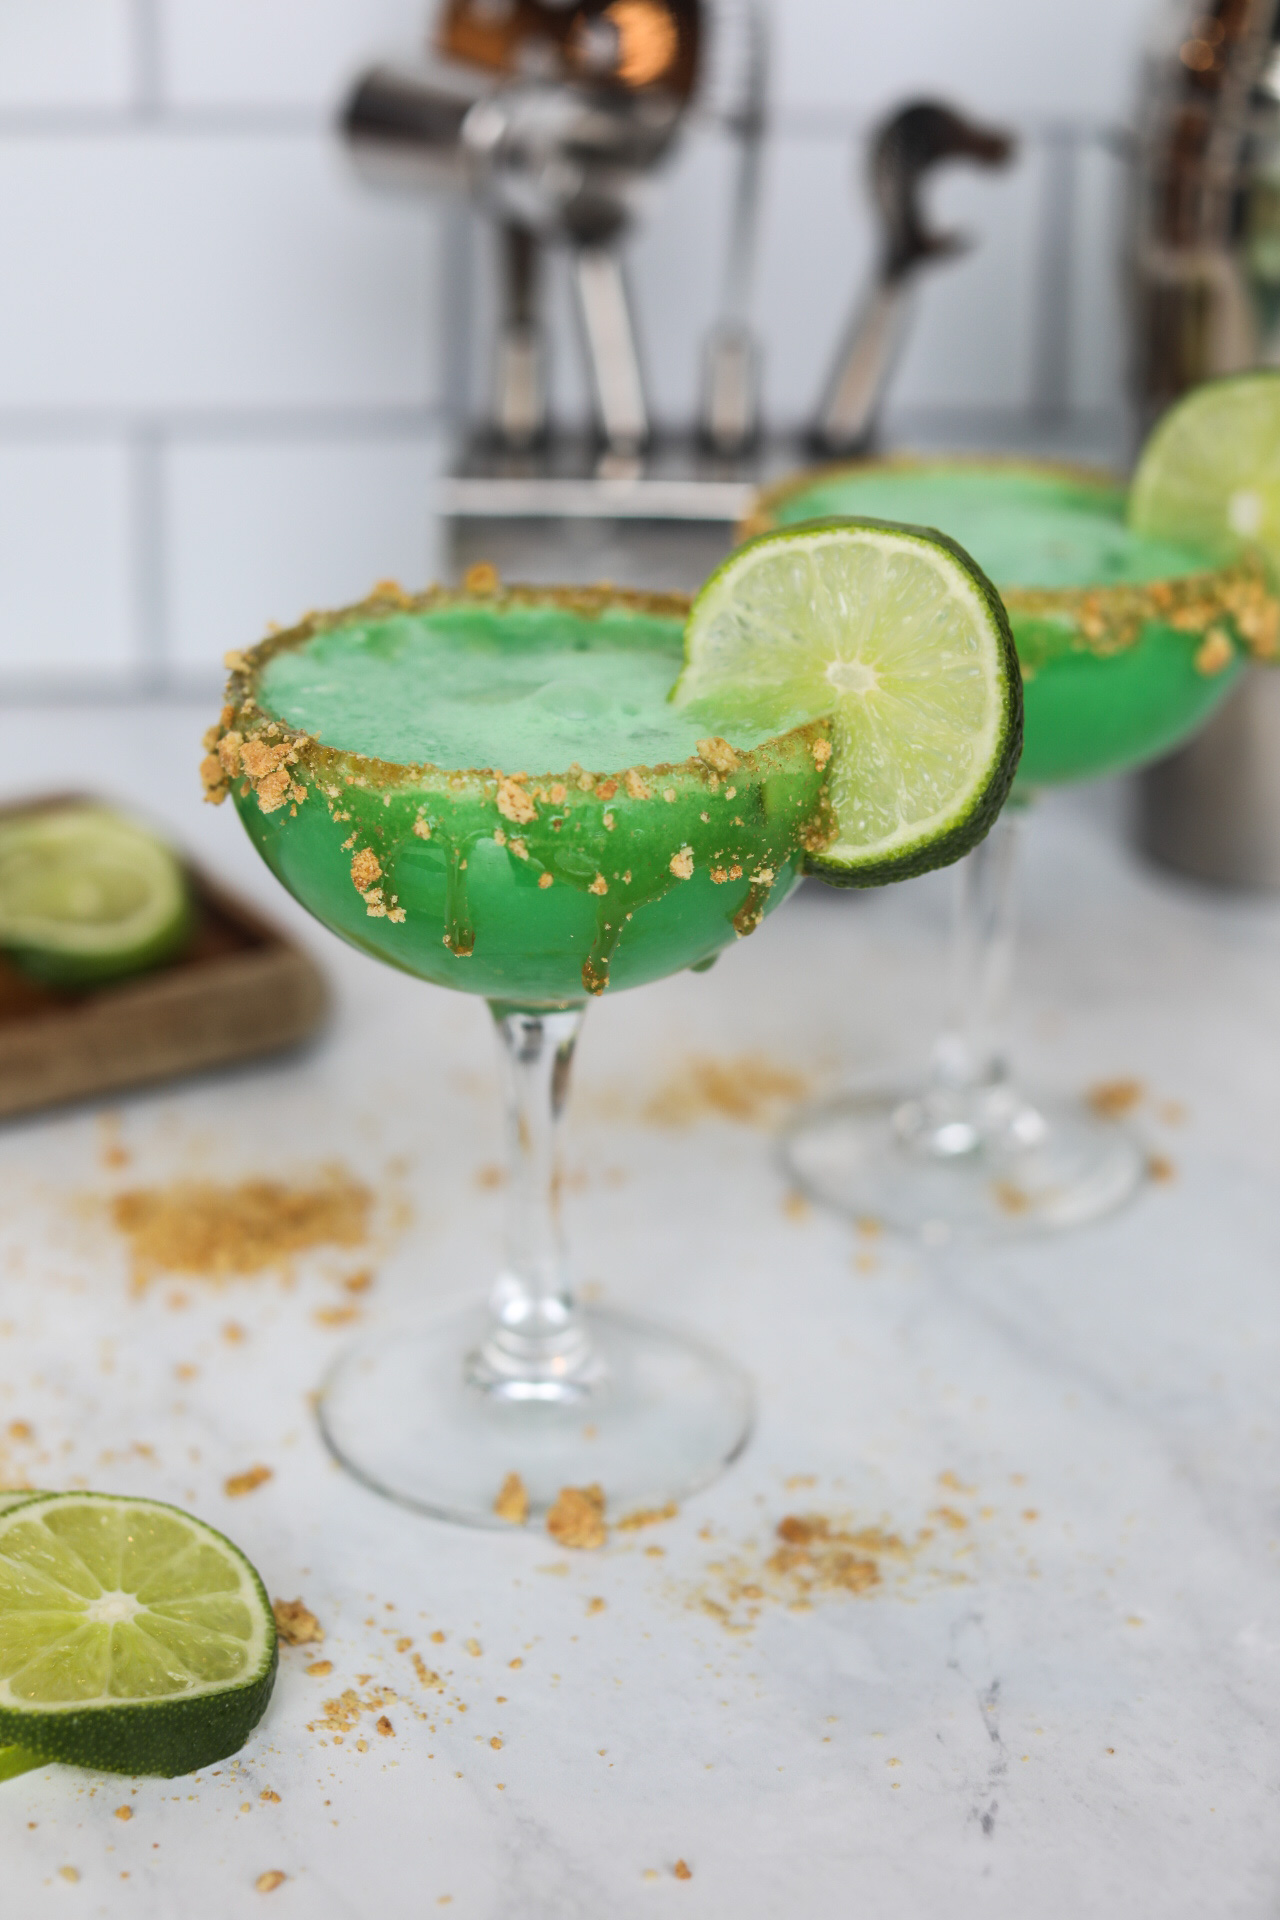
(1064, 1702)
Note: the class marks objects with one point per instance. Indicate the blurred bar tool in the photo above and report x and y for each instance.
(906, 148)
(1206, 218)
(1205, 300)
(553, 113)
(731, 367)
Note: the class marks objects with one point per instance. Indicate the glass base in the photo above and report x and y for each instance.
(993, 1167)
(408, 1412)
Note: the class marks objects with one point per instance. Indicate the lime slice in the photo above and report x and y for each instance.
(132, 1637)
(1209, 474)
(86, 896)
(898, 635)
(16, 1498)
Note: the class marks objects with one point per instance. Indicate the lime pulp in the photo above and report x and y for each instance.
(132, 1637)
(898, 635)
(86, 896)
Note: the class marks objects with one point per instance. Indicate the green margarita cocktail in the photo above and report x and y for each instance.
(542, 796)
(500, 798)
(1127, 641)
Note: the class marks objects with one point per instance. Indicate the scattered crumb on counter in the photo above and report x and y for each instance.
(749, 1089)
(297, 1625)
(247, 1482)
(268, 1882)
(1112, 1099)
(682, 1870)
(220, 1231)
(577, 1518)
(512, 1503)
(647, 1517)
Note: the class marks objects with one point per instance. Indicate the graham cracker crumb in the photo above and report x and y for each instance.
(681, 864)
(124, 1813)
(514, 803)
(1214, 654)
(599, 885)
(422, 828)
(577, 1518)
(383, 1726)
(717, 754)
(268, 1882)
(297, 1625)
(482, 579)
(1112, 1099)
(268, 1795)
(366, 870)
(247, 1482)
(637, 788)
(544, 880)
(198, 1227)
(512, 1503)
(749, 1089)
(1161, 1169)
(596, 1604)
(320, 1669)
(821, 752)
(647, 1517)
(682, 1870)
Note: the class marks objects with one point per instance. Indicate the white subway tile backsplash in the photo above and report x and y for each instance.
(162, 269)
(66, 53)
(971, 344)
(815, 257)
(263, 532)
(1099, 324)
(279, 52)
(66, 562)
(1022, 58)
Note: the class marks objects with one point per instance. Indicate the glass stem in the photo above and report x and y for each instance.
(969, 1053)
(969, 1101)
(537, 1346)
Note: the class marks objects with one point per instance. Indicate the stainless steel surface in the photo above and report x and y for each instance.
(914, 141)
(612, 353)
(1205, 300)
(731, 366)
(1205, 242)
(1213, 809)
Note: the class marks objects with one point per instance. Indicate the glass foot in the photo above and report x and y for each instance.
(410, 1413)
(936, 1172)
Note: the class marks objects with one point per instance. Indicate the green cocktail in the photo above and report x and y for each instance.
(1127, 643)
(506, 793)
(499, 797)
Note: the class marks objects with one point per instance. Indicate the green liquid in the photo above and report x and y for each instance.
(1087, 713)
(524, 689)
(610, 882)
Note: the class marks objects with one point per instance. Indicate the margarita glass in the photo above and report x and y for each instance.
(363, 750)
(1127, 644)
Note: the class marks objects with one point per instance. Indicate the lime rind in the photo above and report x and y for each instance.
(1209, 473)
(133, 1637)
(897, 634)
(86, 896)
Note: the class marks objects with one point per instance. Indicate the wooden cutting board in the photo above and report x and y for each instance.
(239, 990)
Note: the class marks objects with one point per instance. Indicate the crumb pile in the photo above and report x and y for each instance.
(223, 1231)
(749, 1089)
(812, 1557)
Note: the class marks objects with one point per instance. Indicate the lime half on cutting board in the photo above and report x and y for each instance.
(86, 896)
(132, 1636)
